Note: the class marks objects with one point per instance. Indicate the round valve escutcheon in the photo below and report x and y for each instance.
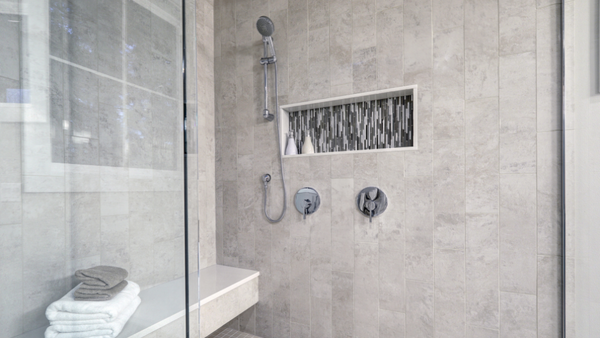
(371, 202)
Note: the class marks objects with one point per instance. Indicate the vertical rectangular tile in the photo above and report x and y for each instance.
(318, 60)
(390, 68)
(281, 277)
(517, 315)
(450, 293)
(549, 306)
(364, 46)
(391, 261)
(321, 303)
(342, 225)
(391, 324)
(300, 331)
(342, 166)
(419, 309)
(419, 229)
(448, 83)
(449, 206)
(481, 49)
(482, 270)
(318, 49)
(364, 68)
(518, 233)
(417, 36)
(300, 281)
(342, 309)
(340, 41)
(366, 290)
(11, 260)
(517, 136)
(298, 50)
(549, 217)
(478, 332)
(391, 280)
(230, 220)
(517, 25)
(320, 240)
(418, 65)
(447, 14)
(264, 308)
(481, 148)
(449, 157)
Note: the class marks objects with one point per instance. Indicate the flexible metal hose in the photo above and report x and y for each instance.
(280, 160)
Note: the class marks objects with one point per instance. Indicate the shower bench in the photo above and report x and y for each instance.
(225, 292)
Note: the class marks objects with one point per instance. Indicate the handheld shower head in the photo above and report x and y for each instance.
(265, 26)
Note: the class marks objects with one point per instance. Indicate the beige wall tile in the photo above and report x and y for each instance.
(549, 306)
(419, 229)
(391, 324)
(481, 49)
(517, 315)
(518, 233)
(366, 290)
(482, 262)
(449, 212)
(342, 226)
(517, 28)
(390, 69)
(450, 293)
(549, 217)
(342, 304)
(478, 332)
(548, 43)
(419, 309)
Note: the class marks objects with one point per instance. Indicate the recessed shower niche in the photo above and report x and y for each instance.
(378, 121)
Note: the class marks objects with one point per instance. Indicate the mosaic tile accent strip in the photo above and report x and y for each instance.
(230, 333)
(376, 124)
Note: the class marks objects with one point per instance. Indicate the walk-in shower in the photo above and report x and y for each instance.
(266, 28)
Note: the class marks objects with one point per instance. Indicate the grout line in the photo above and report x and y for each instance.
(537, 311)
(499, 170)
(464, 142)
(55, 58)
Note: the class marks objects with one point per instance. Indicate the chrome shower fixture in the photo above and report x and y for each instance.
(266, 28)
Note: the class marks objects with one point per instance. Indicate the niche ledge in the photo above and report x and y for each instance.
(377, 121)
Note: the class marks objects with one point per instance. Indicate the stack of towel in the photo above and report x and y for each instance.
(100, 282)
(98, 307)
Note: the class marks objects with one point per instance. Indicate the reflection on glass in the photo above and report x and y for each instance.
(13, 85)
(91, 147)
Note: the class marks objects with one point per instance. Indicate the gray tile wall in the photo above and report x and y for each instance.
(469, 244)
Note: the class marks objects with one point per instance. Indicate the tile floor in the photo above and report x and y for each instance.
(230, 333)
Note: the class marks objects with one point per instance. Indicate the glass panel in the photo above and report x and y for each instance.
(92, 157)
(582, 142)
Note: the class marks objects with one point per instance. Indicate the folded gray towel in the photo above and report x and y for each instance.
(84, 293)
(101, 277)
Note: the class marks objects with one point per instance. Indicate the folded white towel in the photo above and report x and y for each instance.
(105, 330)
(68, 309)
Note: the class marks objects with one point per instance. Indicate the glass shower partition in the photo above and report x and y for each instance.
(92, 164)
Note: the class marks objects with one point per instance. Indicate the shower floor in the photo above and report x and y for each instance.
(230, 333)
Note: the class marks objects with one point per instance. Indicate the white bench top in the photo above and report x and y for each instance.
(164, 303)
